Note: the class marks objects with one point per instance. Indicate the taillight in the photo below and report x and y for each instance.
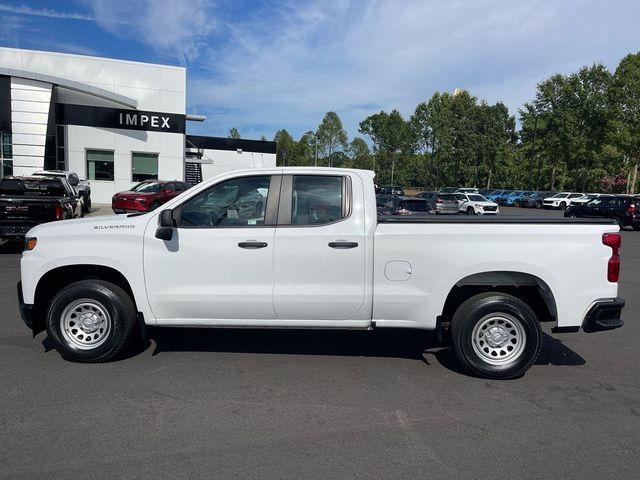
(631, 209)
(58, 211)
(614, 241)
(439, 200)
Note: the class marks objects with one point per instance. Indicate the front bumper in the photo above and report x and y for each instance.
(604, 315)
(26, 311)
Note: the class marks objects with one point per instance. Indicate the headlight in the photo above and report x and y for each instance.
(30, 243)
(478, 206)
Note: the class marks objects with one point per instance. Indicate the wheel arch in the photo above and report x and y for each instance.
(527, 287)
(57, 278)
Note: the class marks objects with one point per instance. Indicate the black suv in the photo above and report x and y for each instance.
(624, 209)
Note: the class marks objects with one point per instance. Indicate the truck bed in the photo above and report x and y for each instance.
(499, 219)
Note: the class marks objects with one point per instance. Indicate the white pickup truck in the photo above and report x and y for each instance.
(304, 248)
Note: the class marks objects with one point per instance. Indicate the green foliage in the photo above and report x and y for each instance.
(234, 133)
(332, 139)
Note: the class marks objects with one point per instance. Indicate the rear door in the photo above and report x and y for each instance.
(319, 258)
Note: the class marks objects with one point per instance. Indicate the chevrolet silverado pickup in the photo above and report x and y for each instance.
(316, 255)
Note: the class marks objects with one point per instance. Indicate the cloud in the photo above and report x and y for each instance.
(172, 28)
(44, 12)
(289, 65)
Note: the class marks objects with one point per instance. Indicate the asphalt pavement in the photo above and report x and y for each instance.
(205, 403)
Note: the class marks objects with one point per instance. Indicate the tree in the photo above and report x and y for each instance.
(332, 137)
(285, 148)
(234, 133)
(359, 154)
(625, 100)
(392, 138)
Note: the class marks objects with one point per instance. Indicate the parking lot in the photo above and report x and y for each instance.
(206, 403)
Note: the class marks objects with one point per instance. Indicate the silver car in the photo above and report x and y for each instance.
(445, 203)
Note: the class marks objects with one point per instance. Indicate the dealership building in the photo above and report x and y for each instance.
(113, 122)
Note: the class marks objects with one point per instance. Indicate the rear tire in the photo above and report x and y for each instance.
(538, 204)
(635, 226)
(471, 211)
(91, 321)
(496, 335)
(153, 206)
(563, 205)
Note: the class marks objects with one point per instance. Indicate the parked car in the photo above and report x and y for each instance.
(467, 190)
(624, 209)
(95, 283)
(476, 204)
(448, 190)
(147, 196)
(426, 195)
(83, 187)
(585, 198)
(384, 201)
(407, 206)
(534, 200)
(508, 199)
(493, 196)
(560, 200)
(391, 190)
(29, 201)
(444, 203)
(515, 201)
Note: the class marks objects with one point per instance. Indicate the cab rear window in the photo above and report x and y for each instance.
(41, 188)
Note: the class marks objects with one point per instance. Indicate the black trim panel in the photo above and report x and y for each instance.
(5, 104)
(88, 116)
(604, 315)
(232, 144)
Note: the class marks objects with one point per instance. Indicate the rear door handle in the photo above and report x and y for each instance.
(252, 245)
(342, 245)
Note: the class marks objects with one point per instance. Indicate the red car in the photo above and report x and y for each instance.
(147, 196)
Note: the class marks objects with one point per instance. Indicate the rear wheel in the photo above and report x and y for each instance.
(91, 321)
(620, 223)
(563, 205)
(516, 203)
(538, 204)
(496, 335)
(153, 206)
(471, 211)
(636, 226)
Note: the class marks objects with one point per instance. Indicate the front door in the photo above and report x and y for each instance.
(219, 263)
(320, 250)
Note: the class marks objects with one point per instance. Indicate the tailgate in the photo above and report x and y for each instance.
(26, 212)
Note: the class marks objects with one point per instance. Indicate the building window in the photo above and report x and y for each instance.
(100, 165)
(144, 166)
(6, 154)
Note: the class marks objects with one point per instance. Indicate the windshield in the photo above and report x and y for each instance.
(477, 198)
(560, 195)
(147, 187)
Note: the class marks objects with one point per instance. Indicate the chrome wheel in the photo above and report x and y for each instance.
(498, 338)
(85, 324)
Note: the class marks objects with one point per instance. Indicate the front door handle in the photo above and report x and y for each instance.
(342, 245)
(252, 245)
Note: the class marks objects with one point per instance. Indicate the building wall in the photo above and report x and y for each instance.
(225, 161)
(168, 146)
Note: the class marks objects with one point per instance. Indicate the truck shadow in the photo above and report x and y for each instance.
(401, 343)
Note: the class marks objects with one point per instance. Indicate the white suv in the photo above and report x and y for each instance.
(476, 204)
(560, 200)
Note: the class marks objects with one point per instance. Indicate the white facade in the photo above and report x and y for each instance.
(62, 106)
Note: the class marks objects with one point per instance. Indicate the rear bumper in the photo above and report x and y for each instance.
(26, 311)
(604, 315)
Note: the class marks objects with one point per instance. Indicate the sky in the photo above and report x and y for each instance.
(263, 65)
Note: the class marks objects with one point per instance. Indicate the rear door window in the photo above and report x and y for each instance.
(318, 199)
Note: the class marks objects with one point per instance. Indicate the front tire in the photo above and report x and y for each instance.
(563, 205)
(153, 206)
(91, 321)
(471, 211)
(496, 335)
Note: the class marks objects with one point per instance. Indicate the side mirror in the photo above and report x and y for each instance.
(165, 225)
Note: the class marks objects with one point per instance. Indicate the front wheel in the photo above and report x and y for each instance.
(496, 335)
(563, 205)
(91, 321)
(471, 211)
(153, 206)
